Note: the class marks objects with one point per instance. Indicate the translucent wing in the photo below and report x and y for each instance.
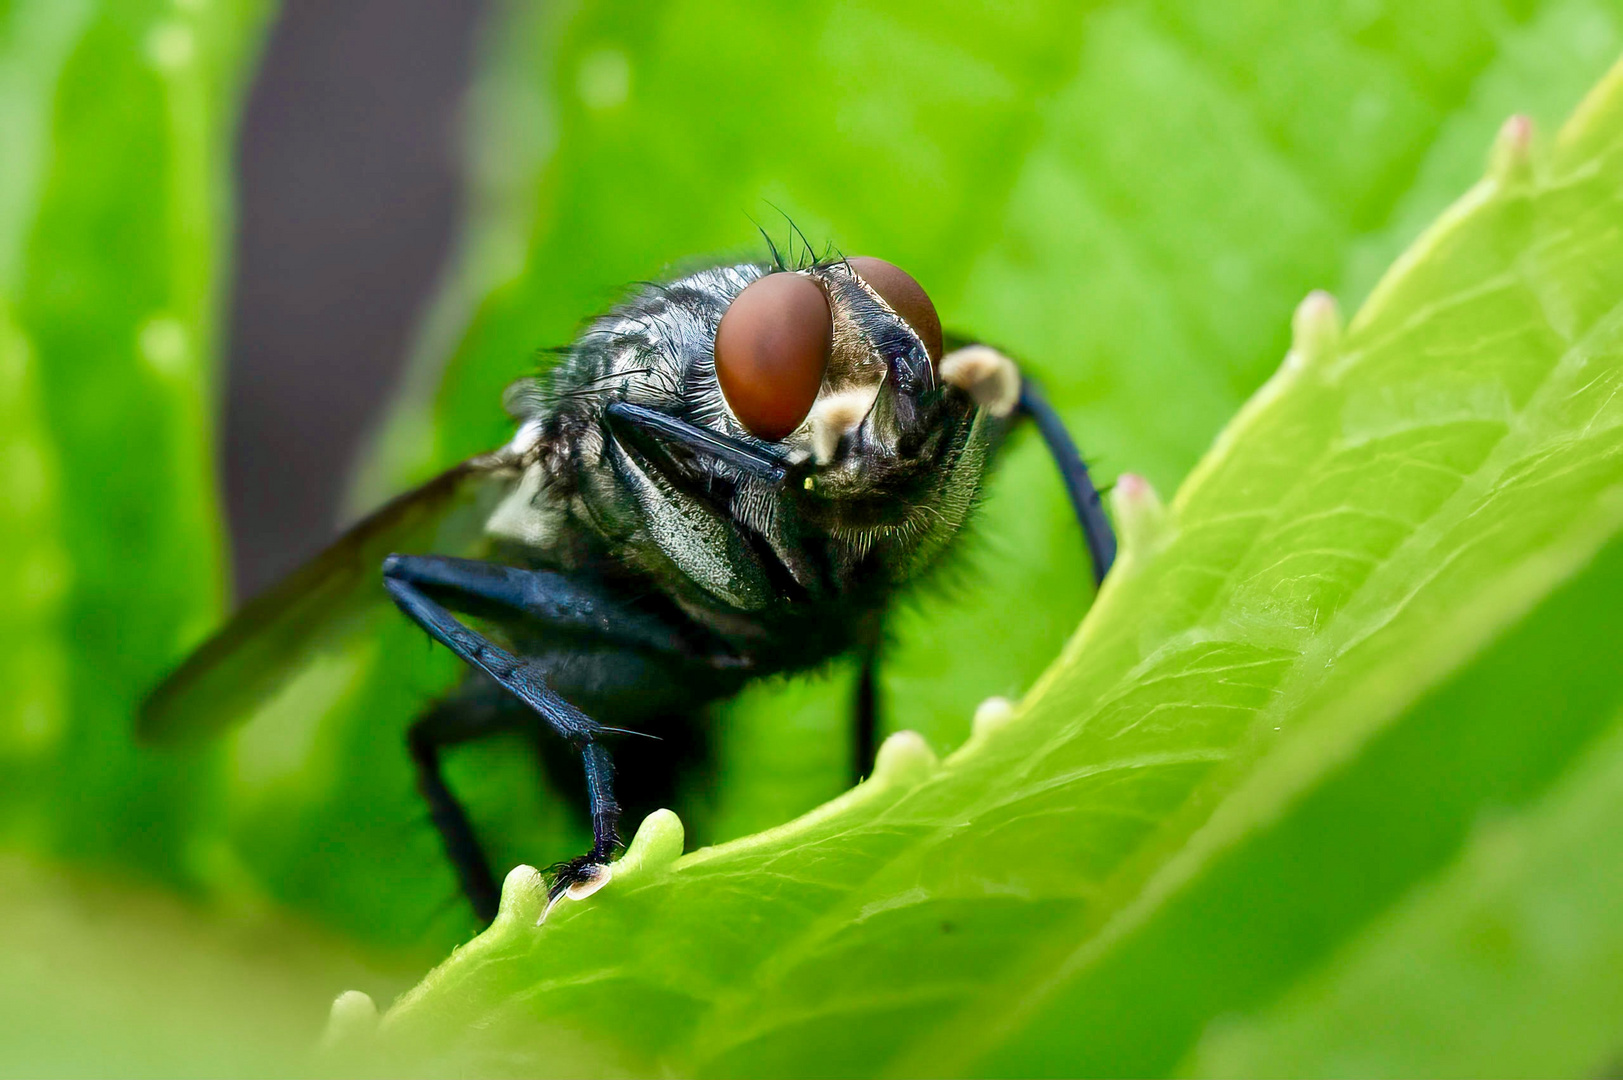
(275, 636)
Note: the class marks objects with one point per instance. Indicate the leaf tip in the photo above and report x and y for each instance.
(1315, 329)
(1510, 162)
(1140, 515)
(905, 759)
(352, 1020)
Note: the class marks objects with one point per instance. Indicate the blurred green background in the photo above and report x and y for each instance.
(1131, 197)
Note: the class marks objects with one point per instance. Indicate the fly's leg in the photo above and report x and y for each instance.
(865, 718)
(523, 681)
(995, 382)
(484, 588)
(411, 580)
(1096, 531)
(588, 868)
(447, 724)
(865, 715)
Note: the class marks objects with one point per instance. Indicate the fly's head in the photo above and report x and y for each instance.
(751, 423)
(841, 366)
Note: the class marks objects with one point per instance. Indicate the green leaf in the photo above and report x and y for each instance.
(1383, 605)
(103, 977)
(1131, 197)
(116, 123)
(1506, 963)
(116, 120)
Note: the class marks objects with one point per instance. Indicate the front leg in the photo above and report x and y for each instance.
(995, 383)
(1096, 530)
(408, 580)
(458, 719)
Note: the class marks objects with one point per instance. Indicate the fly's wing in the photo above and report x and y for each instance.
(279, 633)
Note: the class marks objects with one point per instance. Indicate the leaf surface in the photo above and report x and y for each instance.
(116, 120)
(1505, 962)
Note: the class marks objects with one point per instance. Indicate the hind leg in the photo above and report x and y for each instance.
(461, 718)
(865, 716)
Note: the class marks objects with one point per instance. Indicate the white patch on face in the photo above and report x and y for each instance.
(991, 379)
(836, 414)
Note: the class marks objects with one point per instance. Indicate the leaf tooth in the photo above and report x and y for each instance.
(524, 896)
(351, 1023)
(990, 715)
(1140, 516)
(1316, 330)
(905, 760)
(657, 845)
(1510, 162)
(1317, 334)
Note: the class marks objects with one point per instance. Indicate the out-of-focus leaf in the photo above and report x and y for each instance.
(1382, 605)
(1506, 964)
(106, 978)
(116, 119)
(1131, 197)
(115, 127)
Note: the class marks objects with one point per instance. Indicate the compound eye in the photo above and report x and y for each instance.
(905, 296)
(772, 348)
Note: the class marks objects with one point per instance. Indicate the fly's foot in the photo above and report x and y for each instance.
(580, 877)
(576, 880)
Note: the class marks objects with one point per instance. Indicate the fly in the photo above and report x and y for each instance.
(727, 477)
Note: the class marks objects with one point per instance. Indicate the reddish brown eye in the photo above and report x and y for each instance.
(906, 298)
(772, 348)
